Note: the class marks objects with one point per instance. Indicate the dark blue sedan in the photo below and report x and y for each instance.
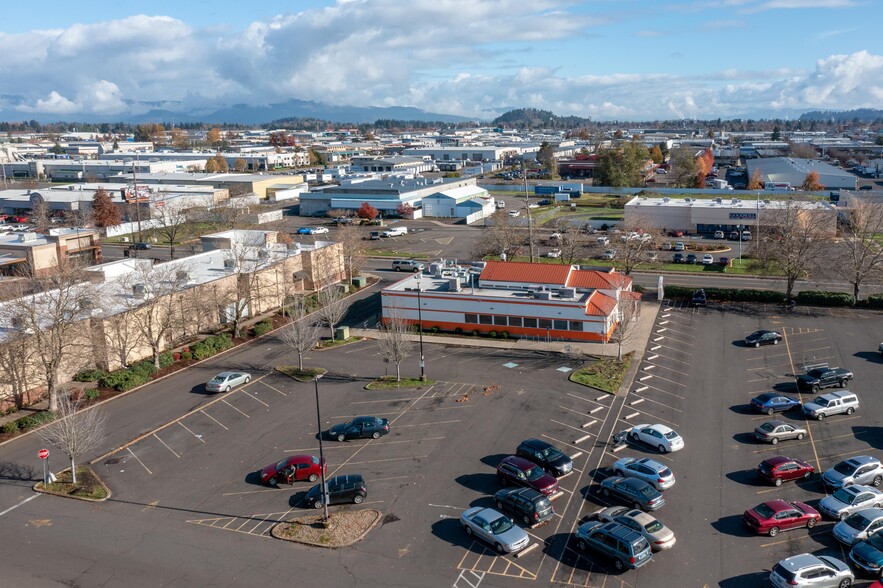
(772, 402)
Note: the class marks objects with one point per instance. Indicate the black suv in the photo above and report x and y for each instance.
(626, 547)
(348, 488)
(545, 455)
(530, 506)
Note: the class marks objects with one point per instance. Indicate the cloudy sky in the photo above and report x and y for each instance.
(607, 59)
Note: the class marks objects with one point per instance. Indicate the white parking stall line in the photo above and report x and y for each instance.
(662, 367)
(657, 418)
(426, 424)
(658, 377)
(258, 399)
(234, 408)
(641, 399)
(166, 445)
(214, 419)
(578, 397)
(579, 412)
(566, 425)
(384, 400)
(274, 388)
(191, 432)
(579, 449)
(15, 506)
(678, 349)
(658, 389)
(139, 461)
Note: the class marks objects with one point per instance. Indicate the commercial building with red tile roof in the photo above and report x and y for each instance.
(513, 299)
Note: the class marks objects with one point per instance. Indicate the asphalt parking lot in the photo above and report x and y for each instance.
(185, 495)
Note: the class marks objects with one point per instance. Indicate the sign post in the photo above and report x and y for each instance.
(43, 454)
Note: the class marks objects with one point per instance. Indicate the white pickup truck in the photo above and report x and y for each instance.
(395, 232)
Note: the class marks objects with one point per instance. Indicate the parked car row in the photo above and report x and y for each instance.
(855, 502)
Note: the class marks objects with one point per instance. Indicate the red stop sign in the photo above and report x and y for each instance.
(43, 453)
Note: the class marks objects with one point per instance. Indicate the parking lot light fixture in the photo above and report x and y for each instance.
(321, 453)
(420, 332)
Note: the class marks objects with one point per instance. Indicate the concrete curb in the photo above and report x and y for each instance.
(96, 476)
(362, 535)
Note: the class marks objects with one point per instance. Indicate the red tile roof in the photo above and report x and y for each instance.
(600, 304)
(525, 272)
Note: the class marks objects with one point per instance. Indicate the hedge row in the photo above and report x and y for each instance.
(129, 378)
(826, 298)
(211, 346)
(809, 298)
(263, 327)
(26, 423)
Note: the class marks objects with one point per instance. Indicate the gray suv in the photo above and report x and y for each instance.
(407, 265)
(807, 569)
(862, 469)
(627, 548)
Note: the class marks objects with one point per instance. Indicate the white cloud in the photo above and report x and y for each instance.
(55, 103)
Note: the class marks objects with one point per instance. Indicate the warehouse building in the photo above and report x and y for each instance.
(384, 195)
(789, 172)
(704, 216)
(513, 299)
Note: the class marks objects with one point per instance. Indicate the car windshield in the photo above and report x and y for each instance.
(764, 511)
(756, 334)
(654, 527)
(844, 468)
(821, 401)
(858, 521)
(551, 453)
(844, 496)
(281, 464)
(501, 525)
(670, 435)
(767, 427)
(876, 541)
(814, 373)
(535, 473)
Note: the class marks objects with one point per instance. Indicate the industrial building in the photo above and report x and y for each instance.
(538, 300)
(467, 202)
(384, 195)
(37, 255)
(704, 216)
(791, 172)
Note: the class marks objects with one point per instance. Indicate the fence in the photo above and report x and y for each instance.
(129, 228)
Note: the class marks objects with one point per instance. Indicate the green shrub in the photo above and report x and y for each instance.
(166, 359)
(91, 394)
(434, 330)
(89, 375)
(727, 294)
(475, 332)
(874, 301)
(186, 355)
(144, 367)
(129, 378)
(262, 328)
(492, 334)
(10, 427)
(504, 334)
(458, 331)
(35, 420)
(211, 346)
(826, 298)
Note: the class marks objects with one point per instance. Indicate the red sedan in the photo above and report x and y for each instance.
(783, 469)
(293, 469)
(773, 516)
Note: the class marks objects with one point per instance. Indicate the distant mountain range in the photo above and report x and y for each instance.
(246, 114)
(860, 114)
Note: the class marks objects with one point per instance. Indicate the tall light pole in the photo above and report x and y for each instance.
(321, 452)
(420, 331)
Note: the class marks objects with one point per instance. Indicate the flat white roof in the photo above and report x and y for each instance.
(725, 203)
(428, 283)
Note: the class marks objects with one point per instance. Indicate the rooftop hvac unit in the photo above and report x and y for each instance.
(543, 295)
(139, 290)
(454, 284)
(534, 288)
(567, 292)
(229, 264)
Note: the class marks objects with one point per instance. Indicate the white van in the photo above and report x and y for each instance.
(395, 232)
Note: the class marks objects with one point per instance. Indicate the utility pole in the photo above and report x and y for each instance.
(137, 200)
(527, 208)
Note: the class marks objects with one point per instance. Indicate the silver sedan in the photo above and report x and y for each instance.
(225, 381)
(649, 470)
(495, 528)
(775, 431)
(657, 535)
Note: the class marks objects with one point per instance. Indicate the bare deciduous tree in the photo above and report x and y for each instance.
(394, 340)
(171, 223)
(333, 305)
(573, 244)
(15, 358)
(628, 307)
(40, 214)
(500, 237)
(353, 250)
(74, 431)
(302, 332)
(795, 237)
(861, 255)
(50, 310)
(150, 303)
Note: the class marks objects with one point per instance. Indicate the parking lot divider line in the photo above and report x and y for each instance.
(655, 402)
(664, 379)
(579, 412)
(15, 506)
(387, 460)
(274, 388)
(837, 456)
(571, 445)
(805, 418)
(236, 409)
(139, 461)
(382, 400)
(166, 446)
(566, 425)
(191, 432)
(214, 419)
(435, 423)
(672, 424)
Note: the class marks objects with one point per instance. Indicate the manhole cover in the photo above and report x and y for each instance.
(390, 518)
